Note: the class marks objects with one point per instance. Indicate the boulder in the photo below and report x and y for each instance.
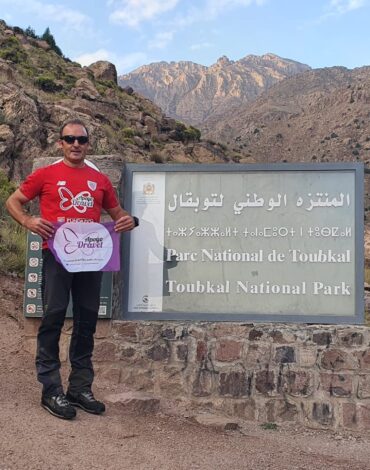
(42, 44)
(86, 89)
(139, 141)
(151, 125)
(103, 70)
(129, 90)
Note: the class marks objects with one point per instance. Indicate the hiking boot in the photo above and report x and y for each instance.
(87, 402)
(58, 406)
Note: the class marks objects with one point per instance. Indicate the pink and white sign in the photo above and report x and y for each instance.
(86, 246)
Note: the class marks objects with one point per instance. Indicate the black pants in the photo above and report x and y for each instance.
(57, 285)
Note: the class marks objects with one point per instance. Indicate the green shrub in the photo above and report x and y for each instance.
(70, 81)
(101, 89)
(180, 126)
(12, 235)
(28, 70)
(192, 133)
(6, 189)
(30, 32)
(11, 49)
(12, 248)
(269, 426)
(18, 30)
(11, 41)
(186, 134)
(107, 83)
(47, 83)
(118, 122)
(128, 132)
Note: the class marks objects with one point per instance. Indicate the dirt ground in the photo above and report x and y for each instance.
(33, 439)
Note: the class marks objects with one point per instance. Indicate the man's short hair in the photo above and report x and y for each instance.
(77, 122)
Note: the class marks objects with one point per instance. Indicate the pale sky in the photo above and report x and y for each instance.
(130, 33)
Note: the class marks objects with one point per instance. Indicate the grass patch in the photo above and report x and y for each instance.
(12, 50)
(13, 247)
(12, 236)
(269, 426)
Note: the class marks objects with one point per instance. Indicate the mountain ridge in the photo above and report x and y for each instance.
(194, 92)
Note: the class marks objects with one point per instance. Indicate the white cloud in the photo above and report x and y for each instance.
(210, 10)
(128, 62)
(123, 63)
(134, 12)
(214, 8)
(91, 57)
(340, 7)
(344, 6)
(202, 45)
(161, 40)
(52, 12)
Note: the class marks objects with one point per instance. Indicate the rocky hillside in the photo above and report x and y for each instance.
(321, 115)
(193, 92)
(40, 89)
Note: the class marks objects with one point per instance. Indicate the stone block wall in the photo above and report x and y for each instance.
(318, 376)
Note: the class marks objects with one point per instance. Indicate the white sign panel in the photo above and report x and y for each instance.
(248, 244)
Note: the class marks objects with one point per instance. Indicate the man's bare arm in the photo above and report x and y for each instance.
(14, 205)
(124, 221)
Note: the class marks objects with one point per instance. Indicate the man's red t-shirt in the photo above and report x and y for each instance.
(69, 194)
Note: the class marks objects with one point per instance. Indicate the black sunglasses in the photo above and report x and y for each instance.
(70, 139)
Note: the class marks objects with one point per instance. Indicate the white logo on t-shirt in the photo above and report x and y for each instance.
(80, 202)
(92, 185)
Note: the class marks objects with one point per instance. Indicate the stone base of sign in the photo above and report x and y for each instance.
(317, 375)
(136, 402)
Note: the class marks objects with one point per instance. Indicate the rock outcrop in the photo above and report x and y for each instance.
(104, 70)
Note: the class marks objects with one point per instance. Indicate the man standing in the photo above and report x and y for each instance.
(68, 191)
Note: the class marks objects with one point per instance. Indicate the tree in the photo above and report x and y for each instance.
(31, 33)
(49, 38)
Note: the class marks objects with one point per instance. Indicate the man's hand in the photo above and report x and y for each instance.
(42, 227)
(124, 224)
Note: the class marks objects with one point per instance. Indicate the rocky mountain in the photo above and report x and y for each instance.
(40, 89)
(319, 116)
(192, 92)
